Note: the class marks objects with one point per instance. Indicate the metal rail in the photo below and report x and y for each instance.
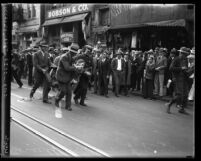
(49, 140)
(92, 148)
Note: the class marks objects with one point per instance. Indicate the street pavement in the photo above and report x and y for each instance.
(121, 127)
(26, 144)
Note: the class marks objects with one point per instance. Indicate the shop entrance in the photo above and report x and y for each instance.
(81, 40)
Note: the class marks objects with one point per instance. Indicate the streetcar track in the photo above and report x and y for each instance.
(49, 140)
(85, 145)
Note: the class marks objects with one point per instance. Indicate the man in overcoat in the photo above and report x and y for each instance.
(127, 74)
(41, 65)
(179, 68)
(103, 74)
(64, 75)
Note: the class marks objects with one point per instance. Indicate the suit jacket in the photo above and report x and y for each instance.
(65, 69)
(94, 66)
(103, 67)
(29, 58)
(149, 71)
(114, 64)
(127, 78)
(161, 63)
(40, 62)
(178, 74)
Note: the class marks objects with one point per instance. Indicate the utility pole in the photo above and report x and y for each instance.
(6, 48)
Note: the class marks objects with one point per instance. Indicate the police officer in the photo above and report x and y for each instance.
(41, 65)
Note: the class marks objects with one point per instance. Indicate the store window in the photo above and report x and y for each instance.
(29, 11)
(33, 11)
(104, 16)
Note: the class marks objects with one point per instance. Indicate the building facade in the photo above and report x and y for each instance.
(129, 26)
(28, 30)
(145, 26)
(79, 23)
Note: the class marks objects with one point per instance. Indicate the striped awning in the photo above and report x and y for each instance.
(169, 23)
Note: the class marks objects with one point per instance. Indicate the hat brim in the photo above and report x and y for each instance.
(43, 46)
(184, 52)
(73, 51)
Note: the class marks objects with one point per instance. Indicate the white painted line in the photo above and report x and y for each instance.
(47, 138)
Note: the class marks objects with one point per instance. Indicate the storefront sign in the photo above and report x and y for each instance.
(67, 37)
(69, 10)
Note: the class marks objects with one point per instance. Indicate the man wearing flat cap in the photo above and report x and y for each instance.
(41, 63)
(179, 68)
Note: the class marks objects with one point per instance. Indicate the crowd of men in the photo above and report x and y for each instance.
(155, 73)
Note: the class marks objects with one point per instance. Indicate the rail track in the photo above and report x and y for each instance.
(65, 142)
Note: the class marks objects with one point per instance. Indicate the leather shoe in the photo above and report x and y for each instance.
(76, 101)
(56, 103)
(83, 104)
(69, 108)
(183, 111)
(45, 101)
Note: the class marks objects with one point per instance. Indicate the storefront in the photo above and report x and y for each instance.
(146, 26)
(68, 24)
(28, 35)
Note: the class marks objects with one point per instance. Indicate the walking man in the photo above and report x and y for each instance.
(178, 68)
(41, 65)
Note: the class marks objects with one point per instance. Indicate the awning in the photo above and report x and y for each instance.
(37, 40)
(74, 18)
(169, 23)
(52, 22)
(29, 29)
(101, 29)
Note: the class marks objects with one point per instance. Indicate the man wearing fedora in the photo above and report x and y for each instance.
(118, 66)
(103, 74)
(127, 73)
(64, 75)
(179, 68)
(95, 69)
(41, 65)
(161, 64)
